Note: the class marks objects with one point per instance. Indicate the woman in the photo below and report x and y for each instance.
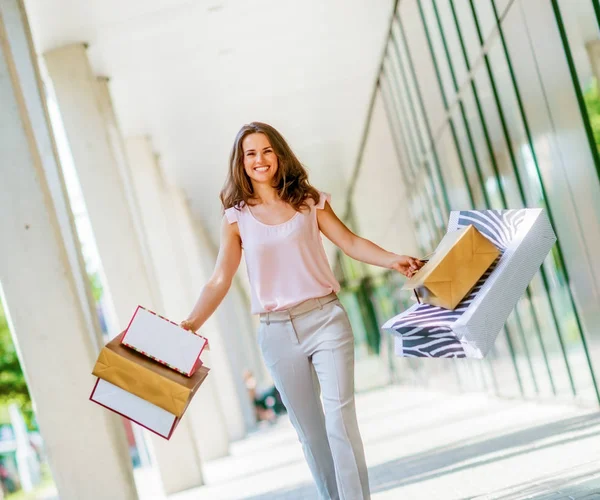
(276, 216)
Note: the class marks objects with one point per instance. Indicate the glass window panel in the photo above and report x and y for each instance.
(430, 205)
(423, 65)
(485, 17)
(403, 68)
(560, 148)
(570, 174)
(421, 218)
(416, 175)
(514, 122)
(468, 29)
(486, 166)
(502, 153)
(462, 128)
(409, 113)
(503, 368)
(408, 109)
(523, 157)
(423, 211)
(409, 139)
(436, 189)
(452, 41)
(440, 60)
(502, 6)
(400, 116)
(514, 325)
(581, 26)
(538, 347)
(451, 171)
(391, 107)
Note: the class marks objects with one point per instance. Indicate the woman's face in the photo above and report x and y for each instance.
(260, 161)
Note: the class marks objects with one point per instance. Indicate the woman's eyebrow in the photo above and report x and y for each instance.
(253, 151)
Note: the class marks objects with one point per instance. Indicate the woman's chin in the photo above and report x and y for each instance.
(262, 179)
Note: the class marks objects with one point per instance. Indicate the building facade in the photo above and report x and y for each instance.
(488, 104)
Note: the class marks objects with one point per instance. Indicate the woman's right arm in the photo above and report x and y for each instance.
(213, 293)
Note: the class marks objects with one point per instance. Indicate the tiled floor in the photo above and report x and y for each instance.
(426, 446)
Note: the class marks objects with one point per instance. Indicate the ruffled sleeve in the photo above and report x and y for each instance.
(323, 197)
(232, 215)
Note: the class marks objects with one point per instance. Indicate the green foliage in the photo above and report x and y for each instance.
(96, 285)
(592, 103)
(13, 387)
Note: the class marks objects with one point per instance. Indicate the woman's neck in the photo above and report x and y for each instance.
(265, 194)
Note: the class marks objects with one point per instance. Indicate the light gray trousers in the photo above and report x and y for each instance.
(316, 337)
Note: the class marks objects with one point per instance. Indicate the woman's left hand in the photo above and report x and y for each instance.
(407, 265)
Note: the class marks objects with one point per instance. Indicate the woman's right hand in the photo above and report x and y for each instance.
(186, 324)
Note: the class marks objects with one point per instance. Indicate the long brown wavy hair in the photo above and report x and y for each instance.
(290, 180)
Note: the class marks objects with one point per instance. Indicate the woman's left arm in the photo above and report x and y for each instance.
(362, 249)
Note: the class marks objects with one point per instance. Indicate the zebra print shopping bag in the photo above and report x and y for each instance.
(524, 237)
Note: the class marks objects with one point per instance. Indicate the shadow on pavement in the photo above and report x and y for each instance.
(445, 460)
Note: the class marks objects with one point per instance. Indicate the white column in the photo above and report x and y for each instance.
(27, 69)
(120, 251)
(85, 111)
(85, 446)
(226, 339)
(205, 412)
(178, 461)
(115, 138)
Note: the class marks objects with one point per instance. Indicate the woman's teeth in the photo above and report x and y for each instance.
(261, 169)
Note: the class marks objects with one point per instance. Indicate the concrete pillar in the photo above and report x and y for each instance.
(165, 243)
(84, 113)
(117, 144)
(101, 182)
(26, 66)
(175, 475)
(85, 446)
(226, 338)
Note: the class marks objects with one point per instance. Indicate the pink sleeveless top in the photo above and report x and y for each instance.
(286, 262)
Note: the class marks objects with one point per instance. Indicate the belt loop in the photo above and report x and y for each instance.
(268, 319)
(320, 303)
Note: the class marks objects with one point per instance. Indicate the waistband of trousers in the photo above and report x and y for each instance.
(297, 310)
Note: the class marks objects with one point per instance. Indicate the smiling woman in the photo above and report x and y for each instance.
(275, 215)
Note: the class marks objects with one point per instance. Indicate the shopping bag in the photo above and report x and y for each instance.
(164, 341)
(146, 378)
(458, 263)
(136, 409)
(524, 238)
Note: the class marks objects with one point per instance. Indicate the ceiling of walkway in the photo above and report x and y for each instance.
(189, 73)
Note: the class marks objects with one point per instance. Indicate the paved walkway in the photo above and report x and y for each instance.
(426, 446)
